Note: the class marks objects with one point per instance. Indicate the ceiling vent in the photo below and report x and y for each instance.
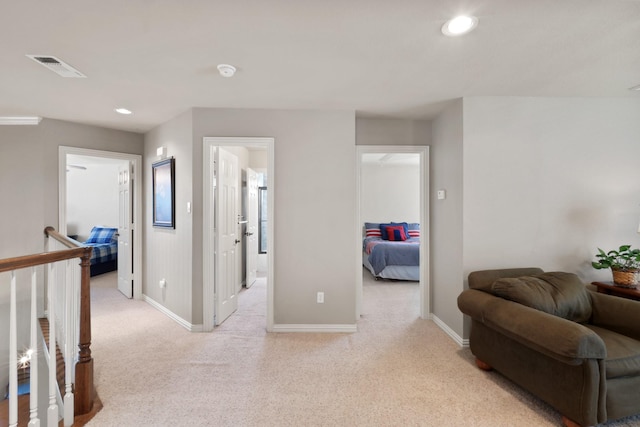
(57, 66)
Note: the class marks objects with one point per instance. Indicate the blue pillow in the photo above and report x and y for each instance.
(414, 229)
(383, 230)
(101, 235)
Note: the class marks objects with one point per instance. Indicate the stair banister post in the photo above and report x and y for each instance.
(34, 421)
(83, 397)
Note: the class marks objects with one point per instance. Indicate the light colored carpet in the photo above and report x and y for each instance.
(398, 370)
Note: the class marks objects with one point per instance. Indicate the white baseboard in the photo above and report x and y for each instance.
(457, 338)
(188, 326)
(315, 328)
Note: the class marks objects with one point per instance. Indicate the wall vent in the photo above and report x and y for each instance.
(57, 66)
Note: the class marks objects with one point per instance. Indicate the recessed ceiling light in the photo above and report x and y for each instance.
(459, 25)
(226, 70)
(122, 111)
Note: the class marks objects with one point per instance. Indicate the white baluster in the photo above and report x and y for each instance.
(52, 411)
(34, 421)
(68, 346)
(13, 357)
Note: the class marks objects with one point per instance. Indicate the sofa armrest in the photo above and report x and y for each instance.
(562, 339)
(617, 314)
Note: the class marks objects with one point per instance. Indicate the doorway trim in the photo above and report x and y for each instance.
(423, 151)
(63, 151)
(208, 273)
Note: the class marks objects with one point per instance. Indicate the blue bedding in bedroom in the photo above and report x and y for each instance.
(103, 252)
(384, 252)
(104, 243)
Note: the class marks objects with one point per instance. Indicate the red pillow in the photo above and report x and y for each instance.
(396, 232)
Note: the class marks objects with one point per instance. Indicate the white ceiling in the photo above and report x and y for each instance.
(377, 57)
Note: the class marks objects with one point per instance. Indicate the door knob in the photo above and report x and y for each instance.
(237, 241)
(248, 234)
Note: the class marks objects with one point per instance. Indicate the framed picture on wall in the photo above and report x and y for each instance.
(164, 193)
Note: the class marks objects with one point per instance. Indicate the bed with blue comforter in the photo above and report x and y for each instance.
(104, 257)
(392, 250)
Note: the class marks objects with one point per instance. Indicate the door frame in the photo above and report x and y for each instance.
(208, 276)
(137, 201)
(423, 151)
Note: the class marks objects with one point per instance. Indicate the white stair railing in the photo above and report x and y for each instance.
(65, 282)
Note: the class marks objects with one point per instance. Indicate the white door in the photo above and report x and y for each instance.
(227, 238)
(251, 242)
(125, 230)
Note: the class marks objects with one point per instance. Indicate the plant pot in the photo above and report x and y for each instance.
(626, 278)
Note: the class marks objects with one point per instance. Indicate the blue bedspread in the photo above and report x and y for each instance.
(103, 252)
(384, 252)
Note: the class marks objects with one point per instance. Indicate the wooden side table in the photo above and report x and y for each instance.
(610, 289)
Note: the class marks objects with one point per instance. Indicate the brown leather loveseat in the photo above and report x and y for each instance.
(577, 350)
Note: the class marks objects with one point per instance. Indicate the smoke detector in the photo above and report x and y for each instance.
(57, 66)
(226, 70)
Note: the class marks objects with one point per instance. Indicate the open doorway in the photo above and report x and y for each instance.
(100, 205)
(393, 198)
(237, 226)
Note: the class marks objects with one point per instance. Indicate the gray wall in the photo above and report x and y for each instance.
(167, 252)
(446, 216)
(371, 131)
(314, 192)
(29, 191)
(314, 158)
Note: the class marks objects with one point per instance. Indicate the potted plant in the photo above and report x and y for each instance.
(624, 264)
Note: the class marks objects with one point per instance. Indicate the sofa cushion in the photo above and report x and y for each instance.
(483, 279)
(558, 293)
(623, 353)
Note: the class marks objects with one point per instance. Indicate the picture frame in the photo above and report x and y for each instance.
(164, 193)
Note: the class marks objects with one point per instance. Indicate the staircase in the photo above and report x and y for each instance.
(67, 285)
(23, 400)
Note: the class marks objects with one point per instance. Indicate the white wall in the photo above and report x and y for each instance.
(548, 180)
(390, 192)
(92, 198)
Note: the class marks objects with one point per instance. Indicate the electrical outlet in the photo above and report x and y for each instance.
(320, 298)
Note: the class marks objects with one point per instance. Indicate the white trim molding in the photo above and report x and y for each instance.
(25, 120)
(164, 310)
(63, 151)
(457, 338)
(316, 328)
(423, 152)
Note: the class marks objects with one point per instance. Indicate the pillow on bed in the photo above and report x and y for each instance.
(383, 229)
(414, 229)
(101, 235)
(395, 233)
(404, 225)
(371, 229)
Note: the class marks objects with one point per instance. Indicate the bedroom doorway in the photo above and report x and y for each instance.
(249, 218)
(100, 188)
(399, 176)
